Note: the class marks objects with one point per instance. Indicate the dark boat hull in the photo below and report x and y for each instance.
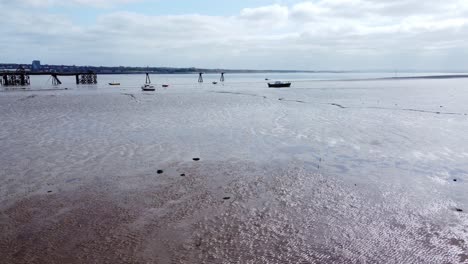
(148, 89)
(279, 85)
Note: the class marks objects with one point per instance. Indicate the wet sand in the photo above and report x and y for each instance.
(113, 178)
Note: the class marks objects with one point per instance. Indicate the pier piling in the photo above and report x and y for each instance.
(86, 78)
(21, 77)
(18, 78)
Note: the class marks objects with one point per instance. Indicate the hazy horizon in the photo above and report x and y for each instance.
(334, 35)
(259, 70)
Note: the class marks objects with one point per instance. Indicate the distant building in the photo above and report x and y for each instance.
(36, 65)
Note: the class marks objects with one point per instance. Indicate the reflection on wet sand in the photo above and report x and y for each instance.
(228, 213)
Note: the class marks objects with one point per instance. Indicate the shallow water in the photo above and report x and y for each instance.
(326, 171)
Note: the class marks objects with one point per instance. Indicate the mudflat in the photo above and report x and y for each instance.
(335, 172)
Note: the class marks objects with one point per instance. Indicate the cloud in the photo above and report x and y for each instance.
(50, 3)
(267, 14)
(333, 34)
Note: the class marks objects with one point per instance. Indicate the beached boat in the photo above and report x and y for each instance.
(114, 83)
(279, 85)
(147, 87)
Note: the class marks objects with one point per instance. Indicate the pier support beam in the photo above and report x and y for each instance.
(55, 80)
(3, 81)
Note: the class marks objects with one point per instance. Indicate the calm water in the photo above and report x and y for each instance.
(326, 171)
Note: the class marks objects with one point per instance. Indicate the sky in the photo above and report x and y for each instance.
(429, 35)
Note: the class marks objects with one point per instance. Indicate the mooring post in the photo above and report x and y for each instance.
(222, 77)
(77, 79)
(148, 80)
(200, 78)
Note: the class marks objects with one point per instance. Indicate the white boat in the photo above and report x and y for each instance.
(147, 87)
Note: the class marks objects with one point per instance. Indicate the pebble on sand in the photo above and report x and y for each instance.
(160, 171)
(182, 175)
(458, 210)
(196, 159)
(226, 198)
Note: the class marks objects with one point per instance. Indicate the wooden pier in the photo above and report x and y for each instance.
(21, 77)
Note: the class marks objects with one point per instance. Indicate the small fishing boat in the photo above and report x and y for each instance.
(279, 85)
(147, 87)
(114, 83)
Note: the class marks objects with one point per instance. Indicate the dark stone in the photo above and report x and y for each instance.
(455, 180)
(458, 210)
(182, 175)
(49, 191)
(226, 198)
(160, 171)
(196, 159)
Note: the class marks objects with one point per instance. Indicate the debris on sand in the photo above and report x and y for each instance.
(28, 97)
(160, 172)
(196, 159)
(132, 96)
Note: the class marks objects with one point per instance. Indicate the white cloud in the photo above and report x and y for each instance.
(49, 3)
(334, 34)
(276, 14)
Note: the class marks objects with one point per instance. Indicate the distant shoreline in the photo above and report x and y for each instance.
(429, 77)
(140, 70)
